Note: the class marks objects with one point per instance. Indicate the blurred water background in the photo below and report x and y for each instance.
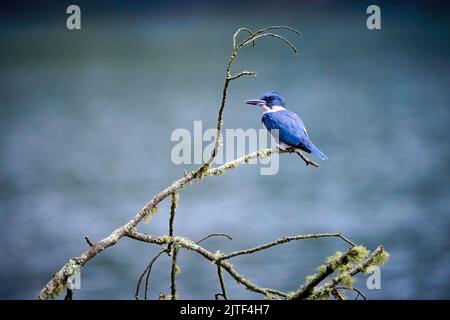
(86, 118)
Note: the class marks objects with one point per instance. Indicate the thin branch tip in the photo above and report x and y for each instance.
(88, 241)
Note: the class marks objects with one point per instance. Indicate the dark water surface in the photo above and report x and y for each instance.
(85, 126)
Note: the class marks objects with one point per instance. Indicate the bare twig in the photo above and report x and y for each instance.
(263, 33)
(173, 208)
(331, 286)
(222, 283)
(359, 293)
(237, 33)
(242, 73)
(173, 273)
(268, 34)
(279, 28)
(340, 235)
(301, 155)
(146, 273)
(281, 241)
(214, 235)
(260, 154)
(89, 242)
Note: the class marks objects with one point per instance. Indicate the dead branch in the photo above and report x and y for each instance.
(174, 243)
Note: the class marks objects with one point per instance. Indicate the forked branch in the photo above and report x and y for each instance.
(174, 243)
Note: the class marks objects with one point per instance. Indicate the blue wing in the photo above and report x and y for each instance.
(290, 127)
(291, 131)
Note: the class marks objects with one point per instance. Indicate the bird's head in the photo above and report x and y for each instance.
(268, 100)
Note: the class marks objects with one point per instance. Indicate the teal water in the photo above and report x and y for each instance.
(85, 126)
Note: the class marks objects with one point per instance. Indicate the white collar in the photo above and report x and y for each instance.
(273, 109)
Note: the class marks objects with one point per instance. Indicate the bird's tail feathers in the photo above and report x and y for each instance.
(317, 152)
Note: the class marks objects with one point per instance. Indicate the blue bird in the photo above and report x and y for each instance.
(291, 130)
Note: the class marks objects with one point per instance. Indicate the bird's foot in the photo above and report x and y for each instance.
(284, 147)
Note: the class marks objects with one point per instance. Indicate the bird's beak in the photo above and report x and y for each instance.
(256, 102)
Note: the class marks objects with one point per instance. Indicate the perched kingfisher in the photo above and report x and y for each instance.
(291, 130)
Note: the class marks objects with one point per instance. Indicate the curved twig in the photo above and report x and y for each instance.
(268, 34)
(301, 155)
(280, 241)
(214, 235)
(147, 271)
(359, 293)
(260, 154)
(237, 33)
(173, 274)
(242, 73)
